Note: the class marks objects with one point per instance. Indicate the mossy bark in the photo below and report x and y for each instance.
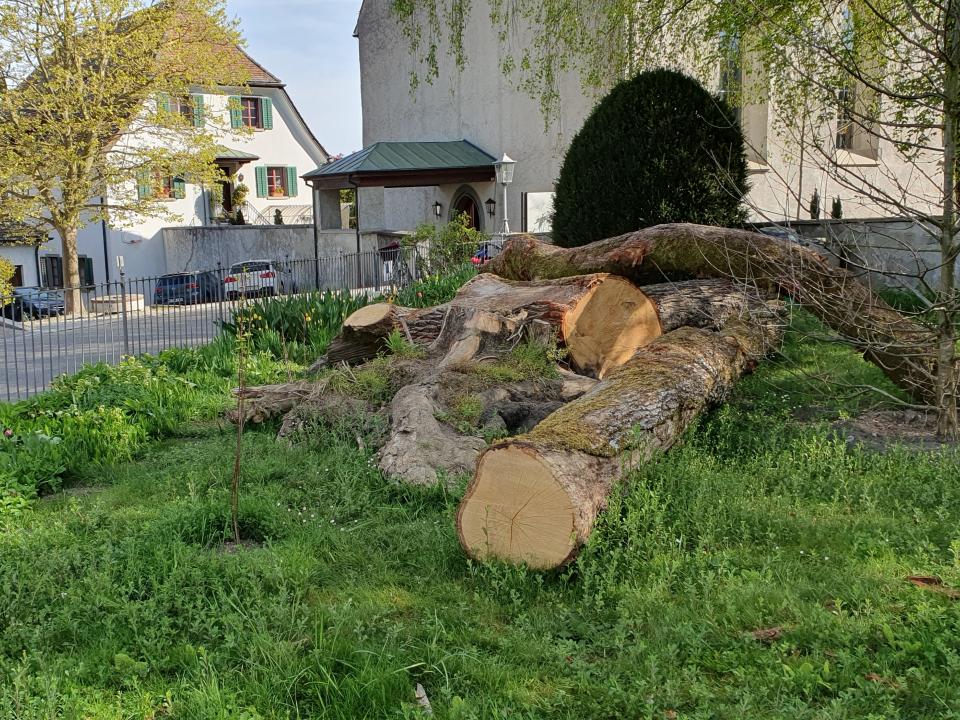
(900, 347)
(577, 453)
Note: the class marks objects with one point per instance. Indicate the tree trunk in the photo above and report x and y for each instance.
(73, 300)
(534, 498)
(901, 348)
(600, 319)
(948, 424)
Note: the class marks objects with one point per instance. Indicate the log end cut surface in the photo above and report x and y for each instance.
(370, 315)
(517, 511)
(609, 325)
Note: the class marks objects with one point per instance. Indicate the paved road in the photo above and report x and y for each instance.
(34, 354)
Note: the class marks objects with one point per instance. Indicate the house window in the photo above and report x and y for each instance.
(51, 271)
(17, 279)
(183, 106)
(250, 112)
(277, 185)
(731, 74)
(163, 186)
(160, 187)
(845, 121)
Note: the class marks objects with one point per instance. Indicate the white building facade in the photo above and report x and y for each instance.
(478, 103)
(266, 146)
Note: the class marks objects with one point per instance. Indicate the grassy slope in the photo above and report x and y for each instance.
(117, 604)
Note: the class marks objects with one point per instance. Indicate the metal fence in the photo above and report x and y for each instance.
(132, 317)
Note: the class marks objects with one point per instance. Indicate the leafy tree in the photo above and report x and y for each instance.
(659, 148)
(886, 72)
(6, 275)
(91, 112)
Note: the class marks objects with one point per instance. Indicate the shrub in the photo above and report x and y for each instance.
(447, 248)
(659, 148)
(6, 275)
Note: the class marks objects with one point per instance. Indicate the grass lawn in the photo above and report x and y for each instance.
(118, 600)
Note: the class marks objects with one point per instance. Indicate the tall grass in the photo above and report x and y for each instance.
(120, 604)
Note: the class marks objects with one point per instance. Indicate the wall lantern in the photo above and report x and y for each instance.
(437, 208)
(491, 207)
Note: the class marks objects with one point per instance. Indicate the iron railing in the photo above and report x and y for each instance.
(132, 317)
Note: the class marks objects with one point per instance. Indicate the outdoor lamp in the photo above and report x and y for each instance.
(504, 167)
(437, 208)
(491, 207)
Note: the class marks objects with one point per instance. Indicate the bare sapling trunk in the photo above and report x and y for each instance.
(534, 498)
(948, 425)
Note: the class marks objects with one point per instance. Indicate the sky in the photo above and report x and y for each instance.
(309, 45)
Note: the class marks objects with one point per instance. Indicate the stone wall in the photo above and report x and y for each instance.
(199, 248)
(890, 252)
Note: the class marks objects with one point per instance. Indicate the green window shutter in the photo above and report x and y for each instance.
(179, 188)
(236, 116)
(266, 112)
(292, 182)
(163, 102)
(86, 271)
(144, 186)
(261, 173)
(198, 110)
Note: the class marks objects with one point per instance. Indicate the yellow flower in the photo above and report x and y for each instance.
(307, 318)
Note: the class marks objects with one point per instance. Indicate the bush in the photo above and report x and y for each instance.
(6, 275)
(659, 148)
(447, 248)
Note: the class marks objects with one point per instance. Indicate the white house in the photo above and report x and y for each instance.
(481, 106)
(271, 148)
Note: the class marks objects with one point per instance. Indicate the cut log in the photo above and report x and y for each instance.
(601, 319)
(901, 348)
(534, 498)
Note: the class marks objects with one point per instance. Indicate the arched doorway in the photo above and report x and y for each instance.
(466, 201)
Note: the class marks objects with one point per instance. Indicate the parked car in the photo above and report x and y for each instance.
(485, 254)
(33, 303)
(256, 277)
(186, 288)
(783, 233)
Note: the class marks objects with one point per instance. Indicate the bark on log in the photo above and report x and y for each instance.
(601, 319)
(534, 498)
(901, 348)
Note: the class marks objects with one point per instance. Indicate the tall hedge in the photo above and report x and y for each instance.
(659, 148)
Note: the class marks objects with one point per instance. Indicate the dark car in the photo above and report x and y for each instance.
(783, 233)
(33, 303)
(186, 288)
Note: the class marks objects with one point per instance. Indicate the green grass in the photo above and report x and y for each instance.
(117, 601)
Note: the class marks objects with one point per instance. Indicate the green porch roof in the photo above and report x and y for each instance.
(398, 164)
(225, 153)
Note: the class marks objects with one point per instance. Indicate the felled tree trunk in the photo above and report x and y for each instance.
(900, 347)
(534, 498)
(601, 319)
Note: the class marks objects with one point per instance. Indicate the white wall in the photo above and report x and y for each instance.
(139, 240)
(480, 105)
(24, 257)
(483, 106)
